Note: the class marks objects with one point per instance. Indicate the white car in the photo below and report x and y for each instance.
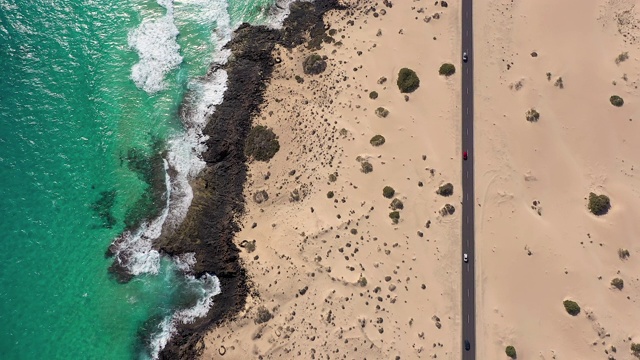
(465, 57)
(465, 258)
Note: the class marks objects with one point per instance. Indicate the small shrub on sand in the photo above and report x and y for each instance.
(382, 112)
(377, 140)
(343, 132)
(366, 167)
(250, 246)
(616, 100)
(622, 57)
(447, 69)
(330, 194)
(511, 352)
(263, 315)
(559, 84)
(299, 79)
(617, 283)
(532, 115)
(388, 192)
(548, 76)
(262, 144)
(635, 349)
(354, 231)
(373, 95)
(623, 254)
(408, 80)
(445, 190)
(396, 204)
(314, 64)
(362, 281)
(395, 216)
(572, 307)
(599, 204)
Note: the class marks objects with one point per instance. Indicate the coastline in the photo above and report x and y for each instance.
(212, 221)
(331, 274)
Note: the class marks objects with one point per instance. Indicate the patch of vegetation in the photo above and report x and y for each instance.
(396, 204)
(299, 79)
(260, 196)
(408, 80)
(382, 112)
(616, 100)
(548, 76)
(362, 281)
(262, 144)
(572, 307)
(447, 69)
(330, 194)
(622, 57)
(377, 140)
(250, 246)
(559, 84)
(635, 349)
(366, 167)
(388, 192)
(447, 209)
(395, 216)
(599, 204)
(314, 64)
(373, 95)
(617, 283)
(445, 190)
(623, 254)
(263, 315)
(333, 177)
(511, 352)
(354, 231)
(343, 132)
(532, 115)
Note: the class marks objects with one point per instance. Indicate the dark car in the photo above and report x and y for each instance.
(465, 57)
(464, 155)
(467, 345)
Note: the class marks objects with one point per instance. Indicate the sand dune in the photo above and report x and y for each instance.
(537, 241)
(333, 275)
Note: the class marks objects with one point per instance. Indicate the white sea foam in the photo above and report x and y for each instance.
(210, 287)
(185, 262)
(155, 42)
(279, 12)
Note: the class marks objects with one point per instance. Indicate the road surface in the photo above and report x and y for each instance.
(468, 208)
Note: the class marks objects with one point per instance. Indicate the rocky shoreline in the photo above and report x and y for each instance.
(218, 204)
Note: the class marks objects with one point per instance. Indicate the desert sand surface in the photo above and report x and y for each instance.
(537, 242)
(333, 276)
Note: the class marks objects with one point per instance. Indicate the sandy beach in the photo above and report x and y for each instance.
(332, 275)
(538, 244)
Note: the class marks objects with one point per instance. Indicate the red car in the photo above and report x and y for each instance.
(464, 155)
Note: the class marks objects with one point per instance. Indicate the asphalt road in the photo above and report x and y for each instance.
(468, 208)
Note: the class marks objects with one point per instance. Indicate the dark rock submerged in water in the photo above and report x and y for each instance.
(211, 222)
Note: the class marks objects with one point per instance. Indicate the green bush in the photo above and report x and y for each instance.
(396, 204)
(388, 192)
(447, 69)
(445, 190)
(330, 194)
(511, 352)
(299, 79)
(408, 80)
(333, 177)
(366, 167)
(373, 95)
(382, 112)
(395, 216)
(362, 281)
(599, 204)
(616, 100)
(262, 144)
(263, 315)
(572, 307)
(622, 57)
(377, 140)
(635, 349)
(617, 283)
(532, 115)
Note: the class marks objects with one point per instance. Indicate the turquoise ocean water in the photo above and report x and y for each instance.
(89, 99)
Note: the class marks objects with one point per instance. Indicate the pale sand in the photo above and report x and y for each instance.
(580, 144)
(307, 262)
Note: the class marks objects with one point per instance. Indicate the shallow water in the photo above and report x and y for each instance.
(88, 125)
